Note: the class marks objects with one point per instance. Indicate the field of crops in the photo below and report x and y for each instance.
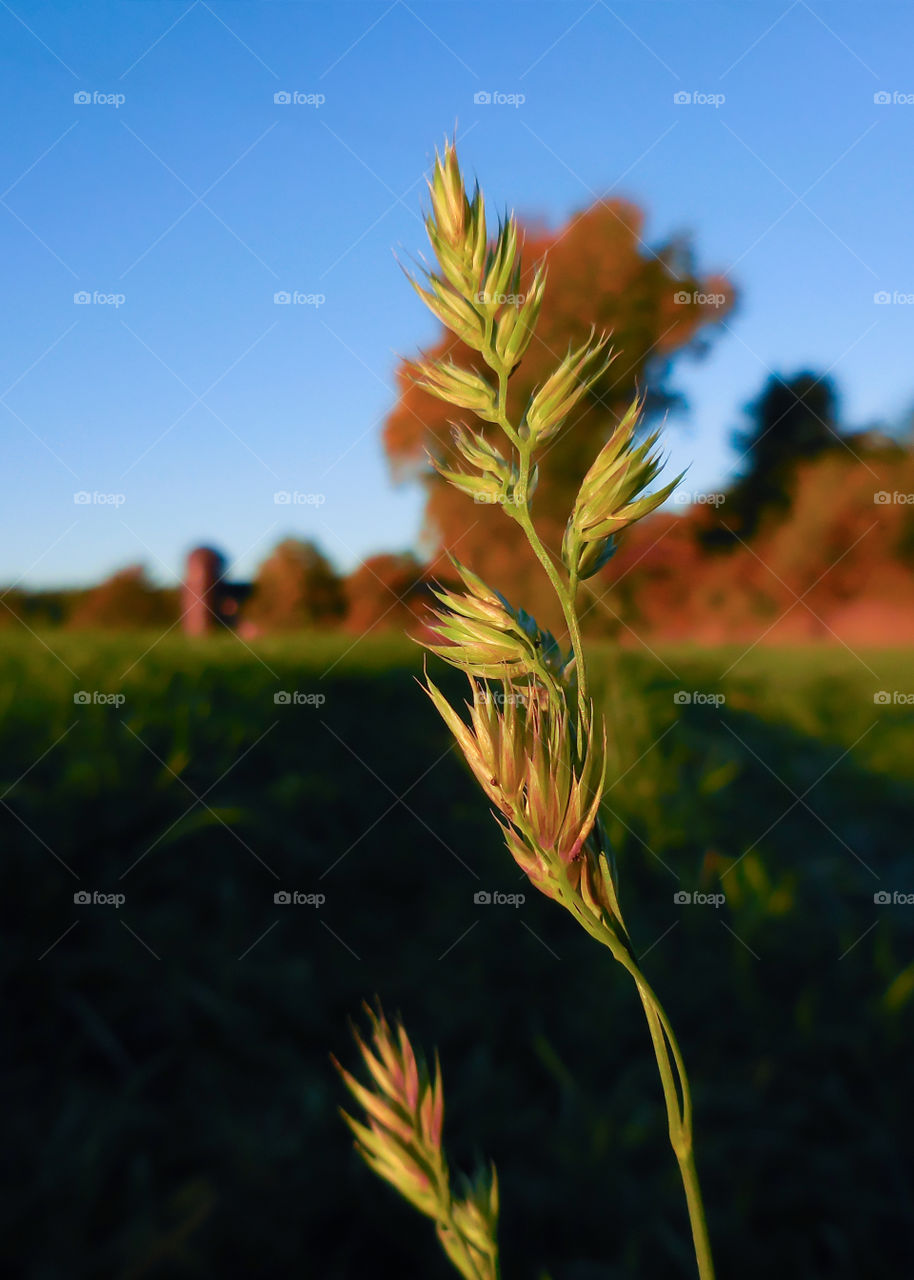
(172, 1109)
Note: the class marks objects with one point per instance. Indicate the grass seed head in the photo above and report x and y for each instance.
(486, 637)
(402, 1143)
(612, 497)
(404, 1108)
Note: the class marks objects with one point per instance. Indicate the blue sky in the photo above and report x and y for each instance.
(184, 188)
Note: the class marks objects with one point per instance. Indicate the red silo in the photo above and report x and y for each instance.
(200, 596)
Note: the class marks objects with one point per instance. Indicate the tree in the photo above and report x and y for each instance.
(127, 599)
(296, 587)
(600, 273)
(792, 420)
(387, 592)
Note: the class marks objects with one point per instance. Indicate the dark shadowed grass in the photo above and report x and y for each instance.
(172, 1109)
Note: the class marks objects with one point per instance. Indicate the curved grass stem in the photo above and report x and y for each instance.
(677, 1097)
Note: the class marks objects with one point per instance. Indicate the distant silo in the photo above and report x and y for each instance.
(201, 602)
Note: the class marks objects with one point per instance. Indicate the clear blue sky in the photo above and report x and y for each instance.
(198, 197)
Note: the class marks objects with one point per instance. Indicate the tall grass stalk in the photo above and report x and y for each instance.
(533, 738)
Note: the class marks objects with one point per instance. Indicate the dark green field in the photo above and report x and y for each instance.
(171, 1105)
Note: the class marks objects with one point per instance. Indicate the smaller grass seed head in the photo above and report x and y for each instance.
(405, 1111)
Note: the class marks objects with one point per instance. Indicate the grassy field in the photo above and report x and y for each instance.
(171, 1105)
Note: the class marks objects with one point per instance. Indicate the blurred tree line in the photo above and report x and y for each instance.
(658, 309)
(296, 588)
(803, 492)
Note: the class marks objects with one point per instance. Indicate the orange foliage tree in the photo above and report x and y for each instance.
(601, 274)
(387, 591)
